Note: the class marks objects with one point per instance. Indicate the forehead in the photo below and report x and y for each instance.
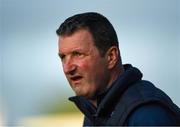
(81, 39)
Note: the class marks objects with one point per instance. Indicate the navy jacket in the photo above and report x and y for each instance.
(129, 101)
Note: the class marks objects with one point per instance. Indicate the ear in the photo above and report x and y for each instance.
(112, 56)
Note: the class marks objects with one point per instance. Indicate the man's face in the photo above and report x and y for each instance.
(84, 67)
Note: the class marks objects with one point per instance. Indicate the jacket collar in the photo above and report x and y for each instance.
(108, 98)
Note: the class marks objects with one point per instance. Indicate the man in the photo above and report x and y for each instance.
(107, 92)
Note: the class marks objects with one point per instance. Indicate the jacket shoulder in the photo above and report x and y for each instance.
(150, 114)
(138, 94)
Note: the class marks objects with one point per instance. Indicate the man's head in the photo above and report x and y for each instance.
(103, 33)
(88, 47)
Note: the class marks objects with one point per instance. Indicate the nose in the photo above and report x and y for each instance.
(69, 66)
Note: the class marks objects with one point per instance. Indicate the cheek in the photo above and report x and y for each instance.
(84, 65)
(87, 68)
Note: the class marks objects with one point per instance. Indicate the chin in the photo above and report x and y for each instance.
(87, 94)
(82, 94)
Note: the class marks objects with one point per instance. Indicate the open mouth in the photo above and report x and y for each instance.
(76, 78)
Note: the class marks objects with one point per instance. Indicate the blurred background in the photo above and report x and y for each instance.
(33, 88)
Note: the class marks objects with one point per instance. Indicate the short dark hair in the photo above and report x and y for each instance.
(101, 29)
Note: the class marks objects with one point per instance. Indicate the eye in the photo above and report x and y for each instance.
(77, 54)
(61, 56)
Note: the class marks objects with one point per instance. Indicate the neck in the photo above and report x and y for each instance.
(94, 102)
(114, 75)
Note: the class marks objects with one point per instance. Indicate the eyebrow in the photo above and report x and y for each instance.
(75, 50)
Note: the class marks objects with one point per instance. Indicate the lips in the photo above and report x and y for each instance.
(76, 78)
